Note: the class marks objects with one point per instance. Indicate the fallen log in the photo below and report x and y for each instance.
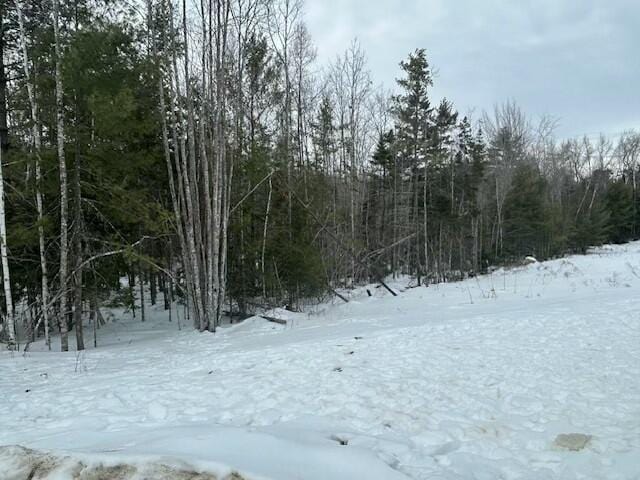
(240, 315)
(341, 297)
(274, 319)
(388, 288)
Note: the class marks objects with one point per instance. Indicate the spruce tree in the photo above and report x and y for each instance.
(525, 214)
(618, 202)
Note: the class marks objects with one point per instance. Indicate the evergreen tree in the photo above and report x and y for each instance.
(590, 229)
(413, 109)
(414, 119)
(525, 214)
(618, 202)
(324, 131)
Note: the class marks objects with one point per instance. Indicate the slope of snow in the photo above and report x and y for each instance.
(469, 380)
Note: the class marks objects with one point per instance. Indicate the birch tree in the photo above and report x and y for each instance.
(6, 276)
(64, 200)
(37, 148)
(199, 175)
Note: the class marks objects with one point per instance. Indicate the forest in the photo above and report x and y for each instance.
(199, 149)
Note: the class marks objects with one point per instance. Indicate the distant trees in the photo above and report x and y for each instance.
(197, 149)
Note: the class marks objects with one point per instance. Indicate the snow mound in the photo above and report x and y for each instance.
(21, 463)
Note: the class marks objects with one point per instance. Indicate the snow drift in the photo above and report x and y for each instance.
(497, 376)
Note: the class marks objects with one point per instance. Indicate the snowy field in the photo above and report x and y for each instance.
(469, 380)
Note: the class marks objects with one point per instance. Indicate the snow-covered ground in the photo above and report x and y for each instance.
(469, 380)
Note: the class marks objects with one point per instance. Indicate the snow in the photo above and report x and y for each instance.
(468, 380)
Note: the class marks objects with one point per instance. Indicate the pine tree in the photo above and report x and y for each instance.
(413, 112)
(618, 202)
(379, 204)
(324, 140)
(590, 229)
(525, 214)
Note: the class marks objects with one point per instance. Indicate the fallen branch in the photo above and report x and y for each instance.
(341, 297)
(388, 288)
(255, 187)
(274, 319)
(380, 251)
(240, 315)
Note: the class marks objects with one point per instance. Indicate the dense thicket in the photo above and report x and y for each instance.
(198, 148)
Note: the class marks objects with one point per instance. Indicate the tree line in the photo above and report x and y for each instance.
(199, 149)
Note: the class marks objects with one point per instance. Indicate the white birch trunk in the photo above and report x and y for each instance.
(6, 277)
(64, 201)
(37, 144)
(199, 175)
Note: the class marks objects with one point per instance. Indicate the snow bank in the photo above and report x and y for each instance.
(21, 464)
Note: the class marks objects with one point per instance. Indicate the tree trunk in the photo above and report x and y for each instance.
(4, 130)
(64, 201)
(77, 238)
(141, 281)
(264, 242)
(132, 291)
(152, 287)
(6, 277)
(425, 227)
(93, 316)
(77, 306)
(9, 320)
(37, 145)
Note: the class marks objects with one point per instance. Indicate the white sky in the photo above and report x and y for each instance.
(578, 60)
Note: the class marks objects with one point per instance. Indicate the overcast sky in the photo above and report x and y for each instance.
(578, 60)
